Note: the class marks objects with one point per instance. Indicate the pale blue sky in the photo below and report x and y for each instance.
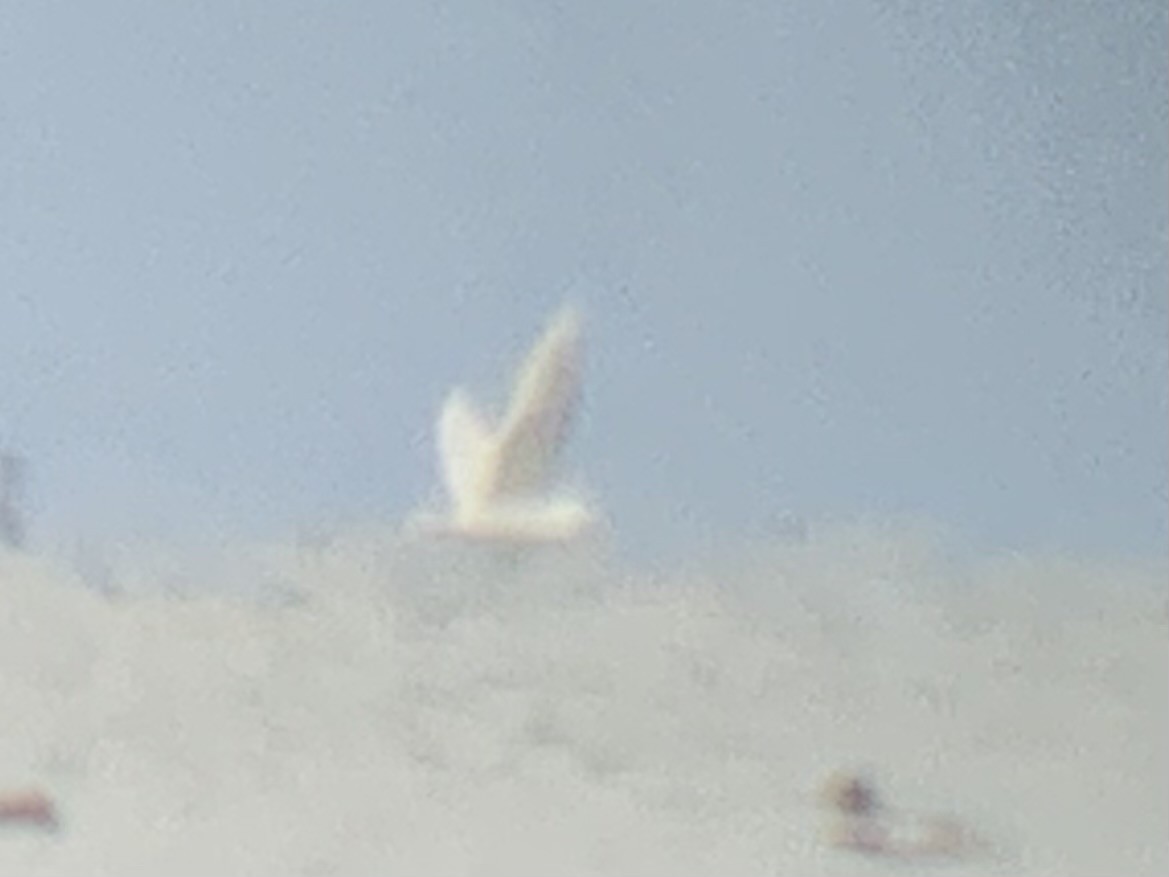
(837, 258)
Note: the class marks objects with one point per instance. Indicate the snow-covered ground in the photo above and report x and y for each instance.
(376, 708)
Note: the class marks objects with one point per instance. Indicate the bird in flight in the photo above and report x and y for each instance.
(497, 475)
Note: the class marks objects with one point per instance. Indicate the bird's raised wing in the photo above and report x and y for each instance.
(542, 404)
(464, 444)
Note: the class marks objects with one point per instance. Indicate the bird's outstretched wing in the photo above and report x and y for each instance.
(464, 447)
(543, 402)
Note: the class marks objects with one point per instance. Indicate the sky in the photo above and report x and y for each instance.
(842, 259)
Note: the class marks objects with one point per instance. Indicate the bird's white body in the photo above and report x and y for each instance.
(497, 479)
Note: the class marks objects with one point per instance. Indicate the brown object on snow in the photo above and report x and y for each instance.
(851, 794)
(30, 807)
(862, 823)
